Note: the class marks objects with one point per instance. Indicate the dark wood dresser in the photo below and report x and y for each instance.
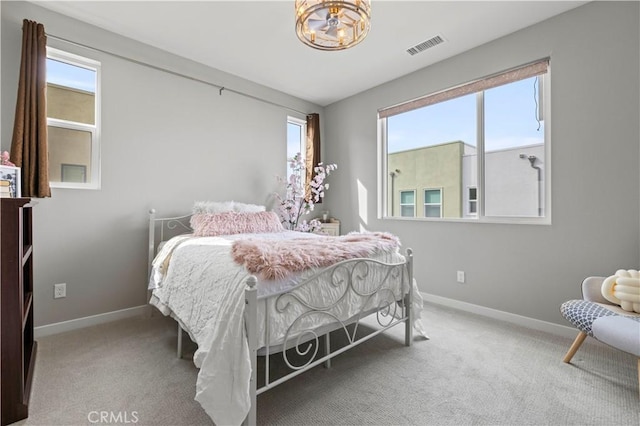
(16, 308)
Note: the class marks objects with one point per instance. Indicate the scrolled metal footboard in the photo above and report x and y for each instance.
(357, 285)
(352, 289)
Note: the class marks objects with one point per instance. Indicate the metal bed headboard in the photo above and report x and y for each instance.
(161, 229)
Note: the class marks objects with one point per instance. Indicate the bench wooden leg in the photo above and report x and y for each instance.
(575, 346)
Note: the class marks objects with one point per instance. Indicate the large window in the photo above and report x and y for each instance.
(296, 139)
(482, 144)
(73, 119)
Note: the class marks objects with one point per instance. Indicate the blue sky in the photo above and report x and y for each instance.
(293, 140)
(71, 76)
(510, 120)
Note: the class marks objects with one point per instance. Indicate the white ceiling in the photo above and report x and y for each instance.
(256, 40)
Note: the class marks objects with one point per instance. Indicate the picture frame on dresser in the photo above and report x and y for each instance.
(11, 174)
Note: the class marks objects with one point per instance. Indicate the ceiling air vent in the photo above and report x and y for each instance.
(421, 47)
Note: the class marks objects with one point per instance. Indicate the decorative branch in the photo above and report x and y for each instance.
(293, 205)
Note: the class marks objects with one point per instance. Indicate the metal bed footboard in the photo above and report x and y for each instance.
(391, 309)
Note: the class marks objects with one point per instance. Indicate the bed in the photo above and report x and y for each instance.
(238, 312)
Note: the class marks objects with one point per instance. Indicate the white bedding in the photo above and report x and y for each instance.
(203, 289)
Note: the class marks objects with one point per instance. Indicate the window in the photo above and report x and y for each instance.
(74, 173)
(472, 200)
(482, 143)
(296, 139)
(407, 203)
(73, 120)
(432, 203)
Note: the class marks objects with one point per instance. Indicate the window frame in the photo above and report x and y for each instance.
(95, 179)
(303, 134)
(413, 191)
(303, 144)
(425, 204)
(472, 200)
(545, 110)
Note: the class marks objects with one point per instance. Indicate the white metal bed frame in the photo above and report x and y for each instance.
(391, 310)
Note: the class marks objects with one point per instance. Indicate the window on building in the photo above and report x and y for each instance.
(296, 139)
(74, 173)
(483, 143)
(432, 203)
(73, 120)
(407, 203)
(473, 200)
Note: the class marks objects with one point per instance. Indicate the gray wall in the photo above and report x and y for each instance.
(166, 141)
(523, 269)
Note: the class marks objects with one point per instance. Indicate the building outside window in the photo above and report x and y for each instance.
(73, 120)
(483, 143)
(407, 203)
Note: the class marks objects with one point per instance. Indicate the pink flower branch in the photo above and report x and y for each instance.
(293, 205)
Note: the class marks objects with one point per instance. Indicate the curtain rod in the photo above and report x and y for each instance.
(188, 77)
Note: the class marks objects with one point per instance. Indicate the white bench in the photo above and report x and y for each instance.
(595, 316)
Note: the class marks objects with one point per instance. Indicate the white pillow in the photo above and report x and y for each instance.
(247, 208)
(225, 206)
(212, 207)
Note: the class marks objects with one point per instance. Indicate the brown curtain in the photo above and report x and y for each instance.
(312, 156)
(29, 143)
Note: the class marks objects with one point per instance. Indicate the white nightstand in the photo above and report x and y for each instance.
(330, 228)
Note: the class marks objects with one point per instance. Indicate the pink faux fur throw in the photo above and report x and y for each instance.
(276, 259)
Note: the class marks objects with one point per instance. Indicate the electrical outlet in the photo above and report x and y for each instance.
(59, 290)
(460, 276)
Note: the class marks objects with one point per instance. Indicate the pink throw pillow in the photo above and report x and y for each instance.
(229, 223)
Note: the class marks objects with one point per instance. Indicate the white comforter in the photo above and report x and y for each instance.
(203, 289)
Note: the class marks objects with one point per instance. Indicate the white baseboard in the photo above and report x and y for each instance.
(532, 323)
(61, 327)
(535, 324)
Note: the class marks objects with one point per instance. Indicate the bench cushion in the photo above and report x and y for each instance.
(604, 324)
(621, 332)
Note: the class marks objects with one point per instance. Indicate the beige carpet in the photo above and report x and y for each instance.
(474, 370)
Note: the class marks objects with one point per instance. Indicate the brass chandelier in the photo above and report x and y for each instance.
(332, 24)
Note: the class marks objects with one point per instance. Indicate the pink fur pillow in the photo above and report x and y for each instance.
(229, 223)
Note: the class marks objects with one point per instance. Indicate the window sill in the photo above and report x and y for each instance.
(70, 185)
